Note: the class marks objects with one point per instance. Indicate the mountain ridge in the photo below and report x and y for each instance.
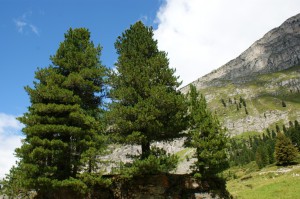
(277, 50)
(265, 75)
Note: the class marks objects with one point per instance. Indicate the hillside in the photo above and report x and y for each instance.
(269, 99)
(249, 182)
(266, 76)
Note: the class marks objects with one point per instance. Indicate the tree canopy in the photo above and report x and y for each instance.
(66, 125)
(285, 151)
(206, 135)
(63, 123)
(146, 105)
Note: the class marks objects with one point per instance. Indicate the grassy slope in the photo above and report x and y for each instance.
(270, 182)
(248, 182)
(262, 94)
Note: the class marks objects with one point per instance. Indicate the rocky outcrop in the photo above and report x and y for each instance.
(169, 186)
(123, 153)
(256, 123)
(279, 49)
(162, 186)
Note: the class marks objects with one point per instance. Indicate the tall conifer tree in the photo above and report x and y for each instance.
(285, 151)
(207, 136)
(146, 105)
(62, 124)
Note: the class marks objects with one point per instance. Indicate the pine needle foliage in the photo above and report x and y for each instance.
(146, 105)
(207, 136)
(63, 123)
(285, 151)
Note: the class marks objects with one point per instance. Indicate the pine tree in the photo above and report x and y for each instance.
(297, 134)
(297, 124)
(270, 144)
(237, 107)
(262, 156)
(244, 103)
(285, 151)
(246, 111)
(284, 129)
(14, 184)
(62, 125)
(273, 134)
(206, 136)
(146, 105)
(277, 128)
(223, 102)
(294, 134)
(291, 124)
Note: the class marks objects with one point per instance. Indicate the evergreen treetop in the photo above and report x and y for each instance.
(285, 151)
(62, 127)
(207, 136)
(146, 105)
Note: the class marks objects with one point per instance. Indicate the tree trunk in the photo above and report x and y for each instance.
(145, 149)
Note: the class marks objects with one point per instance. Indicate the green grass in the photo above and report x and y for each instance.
(263, 95)
(295, 98)
(250, 183)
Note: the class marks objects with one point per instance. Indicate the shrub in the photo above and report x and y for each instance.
(283, 104)
(159, 161)
(261, 156)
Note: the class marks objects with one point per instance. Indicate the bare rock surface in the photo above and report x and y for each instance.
(122, 154)
(277, 50)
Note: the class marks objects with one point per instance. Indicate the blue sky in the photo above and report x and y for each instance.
(32, 30)
(198, 35)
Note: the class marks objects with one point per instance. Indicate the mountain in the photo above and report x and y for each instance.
(266, 76)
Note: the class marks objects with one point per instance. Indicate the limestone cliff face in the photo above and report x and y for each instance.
(277, 50)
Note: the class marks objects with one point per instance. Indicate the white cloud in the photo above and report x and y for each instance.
(34, 29)
(144, 18)
(10, 139)
(201, 35)
(23, 24)
(20, 25)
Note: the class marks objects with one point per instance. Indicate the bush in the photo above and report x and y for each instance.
(283, 104)
(223, 102)
(157, 162)
(262, 156)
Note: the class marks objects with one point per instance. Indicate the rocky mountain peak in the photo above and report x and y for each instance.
(277, 50)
